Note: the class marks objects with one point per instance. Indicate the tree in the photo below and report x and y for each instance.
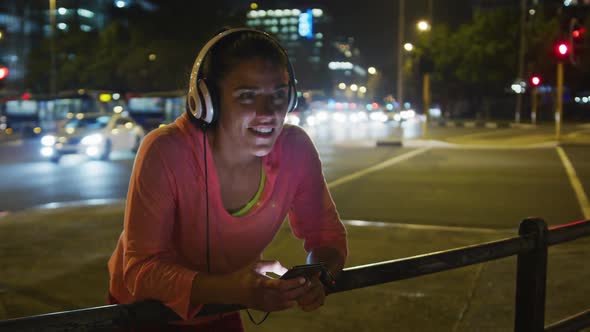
(146, 52)
(478, 62)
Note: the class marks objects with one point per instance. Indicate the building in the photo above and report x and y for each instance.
(349, 80)
(302, 31)
(323, 62)
(19, 30)
(25, 23)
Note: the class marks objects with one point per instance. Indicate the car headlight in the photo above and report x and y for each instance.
(48, 140)
(93, 139)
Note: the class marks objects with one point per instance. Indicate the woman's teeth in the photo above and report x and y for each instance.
(263, 130)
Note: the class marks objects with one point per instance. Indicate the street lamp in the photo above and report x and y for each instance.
(372, 70)
(408, 47)
(342, 86)
(423, 25)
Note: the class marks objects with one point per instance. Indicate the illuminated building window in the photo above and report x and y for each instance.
(85, 27)
(317, 12)
(62, 26)
(319, 35)
(319, 44)
(295, 12)
(85, 13)
(62, 11)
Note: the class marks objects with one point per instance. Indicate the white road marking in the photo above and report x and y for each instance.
(575, 182)
(377, 167)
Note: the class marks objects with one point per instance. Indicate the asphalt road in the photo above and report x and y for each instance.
(462, 177)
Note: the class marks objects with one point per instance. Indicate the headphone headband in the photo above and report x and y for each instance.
(199, 101)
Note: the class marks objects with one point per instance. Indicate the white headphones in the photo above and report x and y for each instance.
(199, 100)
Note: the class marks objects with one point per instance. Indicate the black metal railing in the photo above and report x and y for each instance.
(530, 246)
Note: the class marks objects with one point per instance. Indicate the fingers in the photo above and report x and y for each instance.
(313, 298)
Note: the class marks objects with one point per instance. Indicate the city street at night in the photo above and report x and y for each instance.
(412, 165)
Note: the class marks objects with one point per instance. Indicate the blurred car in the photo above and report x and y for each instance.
(93, 134)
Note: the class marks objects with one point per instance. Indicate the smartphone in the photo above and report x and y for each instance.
(307, 271)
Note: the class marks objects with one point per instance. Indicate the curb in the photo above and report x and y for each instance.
(478, 124)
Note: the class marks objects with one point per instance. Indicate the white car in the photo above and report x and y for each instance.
(93, 134)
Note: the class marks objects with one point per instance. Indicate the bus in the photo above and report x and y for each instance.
(30, 114)
(24, 115)
(153, 109)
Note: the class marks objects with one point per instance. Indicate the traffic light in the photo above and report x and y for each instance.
(3, 72)
(535, 80)
(562, 50)
(577, 34)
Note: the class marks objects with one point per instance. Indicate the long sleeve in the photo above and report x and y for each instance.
(151, 269)
(313, 216)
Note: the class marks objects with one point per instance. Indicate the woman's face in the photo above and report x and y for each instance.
(254, 101)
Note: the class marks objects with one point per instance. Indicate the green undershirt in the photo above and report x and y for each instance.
(246, 208)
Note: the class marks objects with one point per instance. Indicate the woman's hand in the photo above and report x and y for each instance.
(315, 295)
(258, 291)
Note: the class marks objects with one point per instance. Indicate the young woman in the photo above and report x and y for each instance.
(209, 192)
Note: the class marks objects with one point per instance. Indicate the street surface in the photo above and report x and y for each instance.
(466, 177)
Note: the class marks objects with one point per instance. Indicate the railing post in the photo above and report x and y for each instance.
(531, 278)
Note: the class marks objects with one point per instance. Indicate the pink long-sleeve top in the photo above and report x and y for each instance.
(163, 245)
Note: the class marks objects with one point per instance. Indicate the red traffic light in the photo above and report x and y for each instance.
(562, 49)
(577, 33)
(535, 80)
(3, 72)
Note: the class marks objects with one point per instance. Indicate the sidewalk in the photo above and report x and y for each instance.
(55, 260)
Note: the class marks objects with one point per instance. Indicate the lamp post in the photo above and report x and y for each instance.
(400, 53)
(424, 26)
(53, 73)
(562, 50)
(521, 56)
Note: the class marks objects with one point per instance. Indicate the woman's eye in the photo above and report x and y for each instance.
(245, 97)
(279, 97)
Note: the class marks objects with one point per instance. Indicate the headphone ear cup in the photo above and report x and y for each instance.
(194, 101)
(206, 101)
(292, 97)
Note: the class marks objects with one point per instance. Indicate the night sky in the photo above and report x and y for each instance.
(373, 23)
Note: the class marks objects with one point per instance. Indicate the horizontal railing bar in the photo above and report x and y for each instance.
(570, 324)
(405, 268)
(568, 232)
